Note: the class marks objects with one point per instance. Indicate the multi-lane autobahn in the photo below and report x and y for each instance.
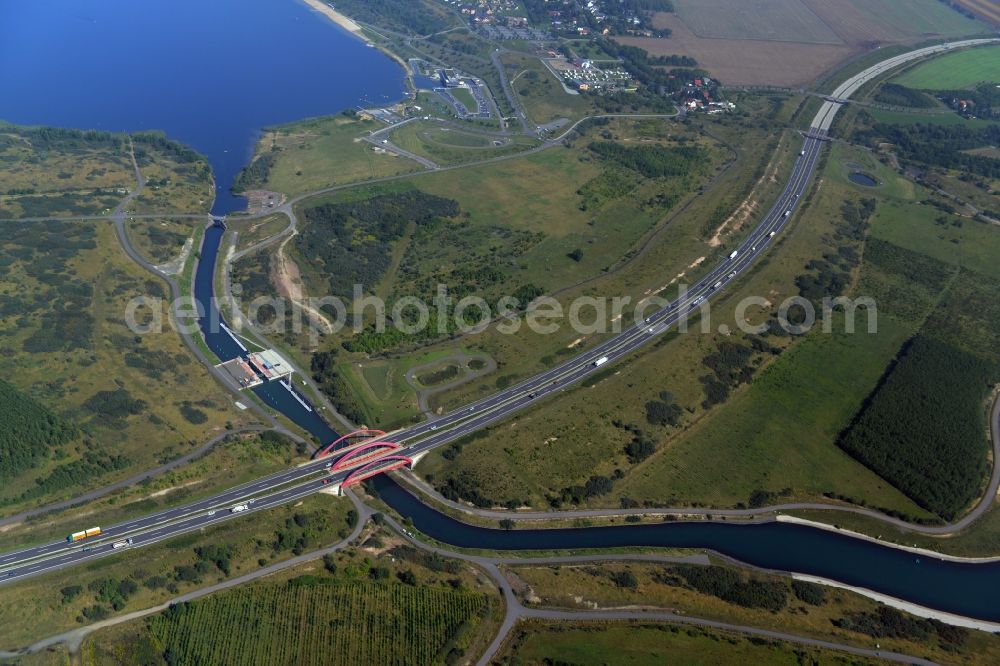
(290, 485)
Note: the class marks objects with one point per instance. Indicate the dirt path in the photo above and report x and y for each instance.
(288, 281)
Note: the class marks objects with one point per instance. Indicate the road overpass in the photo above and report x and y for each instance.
(290, 485)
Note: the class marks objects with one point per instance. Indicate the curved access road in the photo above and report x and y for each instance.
(945, 530)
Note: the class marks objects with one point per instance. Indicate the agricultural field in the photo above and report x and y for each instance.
(771, 20)
(316, 153)
(751, 599)
(36, 608)
(815, 35)
(323, 623)
(48, 171)
(536, 643)
(66, 287)
(954, 71)
(380, 603)
(160, 240)
(987, 10)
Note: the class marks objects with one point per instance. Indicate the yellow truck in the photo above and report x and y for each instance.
(77, 536)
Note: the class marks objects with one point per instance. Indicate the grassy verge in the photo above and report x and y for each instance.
(321, 152)
(732, 595)
(49, 604)
(642, 643)
(230, 463)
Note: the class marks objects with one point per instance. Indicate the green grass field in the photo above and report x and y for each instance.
(953, 240)
(954, 71)
(648, 645)
(254, 231)
(445, 145)
(466, 98)
(903, 118)
(381, 386)
(321, 152)
(587, 586)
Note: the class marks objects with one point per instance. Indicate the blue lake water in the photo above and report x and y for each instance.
(209, 73)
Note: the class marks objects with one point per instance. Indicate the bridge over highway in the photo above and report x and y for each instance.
(361, 454)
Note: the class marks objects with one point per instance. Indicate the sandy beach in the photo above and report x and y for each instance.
(334, 15)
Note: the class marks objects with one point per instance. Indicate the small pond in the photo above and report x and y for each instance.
(861, 178)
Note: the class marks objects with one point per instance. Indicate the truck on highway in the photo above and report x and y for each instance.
(125, 543)
(77, 536)
(601, 361)
(238, 508)
(732, 255)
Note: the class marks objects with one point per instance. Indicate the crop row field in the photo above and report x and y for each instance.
(795, 42)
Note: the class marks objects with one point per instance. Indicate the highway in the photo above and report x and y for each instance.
(290, 485)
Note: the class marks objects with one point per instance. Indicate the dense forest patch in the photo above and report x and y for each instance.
(351, 243)
(922, 428)
(31, 432)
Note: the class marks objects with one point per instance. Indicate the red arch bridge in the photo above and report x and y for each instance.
(363, 451)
